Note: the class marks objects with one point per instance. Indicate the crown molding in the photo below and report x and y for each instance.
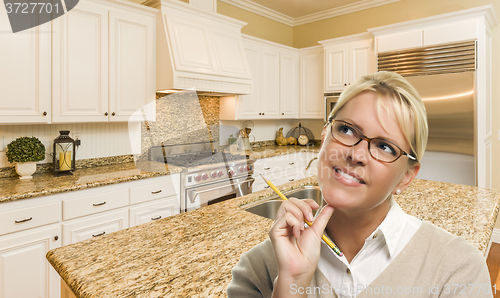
(256, 8)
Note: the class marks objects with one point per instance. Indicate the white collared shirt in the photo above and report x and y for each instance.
(380, 248)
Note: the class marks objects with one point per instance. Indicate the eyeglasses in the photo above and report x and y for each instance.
(380, 149)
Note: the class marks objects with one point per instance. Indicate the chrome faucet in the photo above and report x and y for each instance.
(310, 162)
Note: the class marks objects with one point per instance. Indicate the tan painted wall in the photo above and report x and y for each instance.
(258, 26)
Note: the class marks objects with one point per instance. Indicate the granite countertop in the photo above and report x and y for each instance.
(191, 254)
(12, 188)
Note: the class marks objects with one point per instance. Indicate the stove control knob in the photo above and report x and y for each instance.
(197, 177)
(248, 168)
(242, 169)
(204, 176)
(213, 174)
(220, 173)
(231, 172)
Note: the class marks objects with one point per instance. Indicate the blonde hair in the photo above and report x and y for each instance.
(404, 100)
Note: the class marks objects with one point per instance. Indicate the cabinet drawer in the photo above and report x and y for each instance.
(150, 192)
(28, 218)
(96, 203)
(278, 163)
(94, 226)
(154, 210)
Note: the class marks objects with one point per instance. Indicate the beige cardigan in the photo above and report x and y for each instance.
(434, 263)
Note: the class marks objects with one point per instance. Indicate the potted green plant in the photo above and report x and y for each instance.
(25, 152)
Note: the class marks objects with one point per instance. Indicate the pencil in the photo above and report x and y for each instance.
(324, 238)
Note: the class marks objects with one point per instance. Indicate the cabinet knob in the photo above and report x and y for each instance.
(106, 114)
(262, 114)
(56, 237)
(44, 113)
(112, 114)
(282, 113)
(345, 84)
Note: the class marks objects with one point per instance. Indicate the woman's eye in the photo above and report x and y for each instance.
(344, 129)
(387, 148)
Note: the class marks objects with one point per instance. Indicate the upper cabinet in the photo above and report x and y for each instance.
(275, 72)
(25, 73)
(104, 63)
(346, 59)
(312, 101)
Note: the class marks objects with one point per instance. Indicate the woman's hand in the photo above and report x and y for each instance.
(297, 249)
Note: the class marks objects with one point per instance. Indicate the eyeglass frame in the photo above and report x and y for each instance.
(369, 140)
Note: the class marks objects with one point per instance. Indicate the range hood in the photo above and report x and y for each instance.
(200, 50)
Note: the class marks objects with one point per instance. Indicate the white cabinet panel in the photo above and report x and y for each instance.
(360, 59)
(80, 65)
(249, 105)
(270, 92)
(25, 73)
(336, 60)
(289, 86)
(132, 70)
(450, 33)
(24, 271)
(94, 226)
(312, 102)
(400, 41)
(193, 50)
(27, 218)
(155, 210)
(230, 52)
(95, 203)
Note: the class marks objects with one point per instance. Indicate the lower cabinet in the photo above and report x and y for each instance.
(24, 271)
(30, 228)
(94, 226)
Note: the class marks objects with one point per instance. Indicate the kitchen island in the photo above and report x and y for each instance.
(192, 254)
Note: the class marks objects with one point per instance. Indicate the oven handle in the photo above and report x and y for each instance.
(193, 199)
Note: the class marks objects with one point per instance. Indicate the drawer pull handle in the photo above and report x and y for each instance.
(100, 234)
(155, 218)
(24, 220)
(291, 163)
(155, 192)
(291, 179)
(267, 169)
(98, 204)
(267, 186)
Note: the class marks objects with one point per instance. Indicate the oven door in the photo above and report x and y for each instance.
(201, 196)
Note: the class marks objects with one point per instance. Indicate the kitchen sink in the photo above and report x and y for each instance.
(270, 207)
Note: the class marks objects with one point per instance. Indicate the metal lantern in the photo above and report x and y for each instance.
(64, 154)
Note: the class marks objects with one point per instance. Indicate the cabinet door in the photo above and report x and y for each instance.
(24, 270)
(155, 210)
(231, 53)
(25, 73)
(360, 59)
(289, 86)
(336, 68)
(312, 102)
(80, 65)
(270, 99)
(94, 226)
(132, 70)
(249, 105)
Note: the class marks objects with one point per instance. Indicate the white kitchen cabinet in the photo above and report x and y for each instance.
(289, 85)
(103, 62)
(346, 59)
(311, 99)
(94, 226)
(25, 73)
(155, 210)
(24, 270)
(263, 103)
(279, 170)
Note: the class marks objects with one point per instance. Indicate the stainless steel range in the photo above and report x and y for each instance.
(209, 176)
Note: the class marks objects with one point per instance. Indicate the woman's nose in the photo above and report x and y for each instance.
(359, 153)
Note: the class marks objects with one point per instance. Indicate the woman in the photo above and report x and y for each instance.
(372, 145)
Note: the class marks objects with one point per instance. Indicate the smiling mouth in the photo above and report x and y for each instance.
(345, 175)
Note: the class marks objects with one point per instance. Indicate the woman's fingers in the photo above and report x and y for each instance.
(284, 224)
(322, 219)
(300, 208)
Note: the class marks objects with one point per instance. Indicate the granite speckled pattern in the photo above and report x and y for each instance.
(192, 254)
(12, 189)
